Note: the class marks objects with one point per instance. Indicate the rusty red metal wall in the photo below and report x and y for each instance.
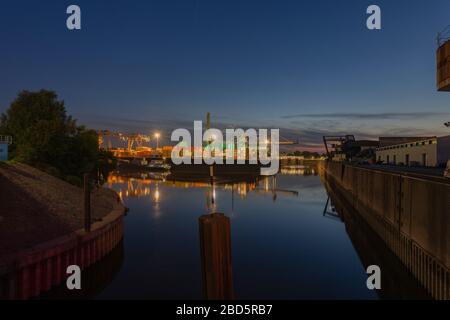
(443, 67)
(32, 272)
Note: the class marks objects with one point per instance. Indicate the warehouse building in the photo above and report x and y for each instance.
(429, 152)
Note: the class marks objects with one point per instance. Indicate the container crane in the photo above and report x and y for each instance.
(131, 139)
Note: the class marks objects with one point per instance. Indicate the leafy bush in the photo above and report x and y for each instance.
(45, 136)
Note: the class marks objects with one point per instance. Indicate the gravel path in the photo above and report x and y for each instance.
(36, 207)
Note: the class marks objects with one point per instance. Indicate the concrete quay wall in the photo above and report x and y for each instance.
(410, 214)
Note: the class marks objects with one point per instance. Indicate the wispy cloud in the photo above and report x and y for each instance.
(308, 132)
(369, 116)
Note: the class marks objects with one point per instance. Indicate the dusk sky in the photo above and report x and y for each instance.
(307, 67)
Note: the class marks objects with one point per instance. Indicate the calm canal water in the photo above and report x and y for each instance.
(287, 242)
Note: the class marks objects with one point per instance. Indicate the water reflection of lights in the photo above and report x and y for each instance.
(157, 195)
(137, 187)
(302, 171)
(211, 199)
(266, 184)
(148, 187)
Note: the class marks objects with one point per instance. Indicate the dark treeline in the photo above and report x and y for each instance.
(45, 137)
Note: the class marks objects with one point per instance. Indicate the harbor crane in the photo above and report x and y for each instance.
(132, 139)
(343, 146)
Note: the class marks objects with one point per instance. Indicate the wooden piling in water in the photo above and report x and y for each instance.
(215, 251)
(211, 176)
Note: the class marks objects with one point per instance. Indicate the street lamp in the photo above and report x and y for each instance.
(157, 135)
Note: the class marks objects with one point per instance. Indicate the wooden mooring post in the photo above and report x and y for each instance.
(215, 252)
(211, 177)
(87, 203)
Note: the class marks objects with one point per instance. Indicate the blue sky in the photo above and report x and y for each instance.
(308, 67)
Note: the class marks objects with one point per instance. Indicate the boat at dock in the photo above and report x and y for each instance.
(216, 170)
(143, 165)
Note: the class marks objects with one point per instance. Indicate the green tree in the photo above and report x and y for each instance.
(46, 137)
(39, 126)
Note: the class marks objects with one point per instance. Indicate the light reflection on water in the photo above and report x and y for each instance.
(280, 237)
(282, 247)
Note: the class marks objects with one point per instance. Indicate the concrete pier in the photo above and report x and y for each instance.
(410, 214)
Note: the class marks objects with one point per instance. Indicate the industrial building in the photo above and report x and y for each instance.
(429, 152)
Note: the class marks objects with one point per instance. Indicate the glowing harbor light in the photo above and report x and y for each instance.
(157, 135)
